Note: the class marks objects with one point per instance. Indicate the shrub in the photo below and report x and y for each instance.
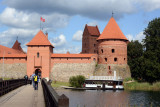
(77, 81)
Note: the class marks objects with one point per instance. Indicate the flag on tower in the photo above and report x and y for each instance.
(42, 19)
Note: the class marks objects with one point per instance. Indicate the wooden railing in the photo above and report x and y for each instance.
(52, 99)
(9, 85)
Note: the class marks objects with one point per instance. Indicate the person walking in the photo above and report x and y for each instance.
(32, 78)
(26, 79)
(36, 80)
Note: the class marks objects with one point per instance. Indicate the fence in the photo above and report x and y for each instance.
(9, 85)
(52, 99)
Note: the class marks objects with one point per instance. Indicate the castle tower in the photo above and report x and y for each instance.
(89, 39)
(39, 55)
(112, 45)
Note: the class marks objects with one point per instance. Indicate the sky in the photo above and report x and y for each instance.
(65, 20)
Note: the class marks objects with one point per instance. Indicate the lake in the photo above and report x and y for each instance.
(110, 98)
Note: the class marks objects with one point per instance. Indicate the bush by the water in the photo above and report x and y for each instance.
(77, 81)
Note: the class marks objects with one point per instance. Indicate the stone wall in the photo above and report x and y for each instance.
(121, 70)
(16, 70)
(63, 71)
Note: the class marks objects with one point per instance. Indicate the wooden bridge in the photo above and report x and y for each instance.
(15, 93)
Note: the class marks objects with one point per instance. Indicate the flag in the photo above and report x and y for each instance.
(43, 20)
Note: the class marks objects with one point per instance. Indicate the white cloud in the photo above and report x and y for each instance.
(72, 49)
(93, 23)
(58, 41)
(78, 36)
(149, 5)
(8, 37)
(19, 19)
(140, 36)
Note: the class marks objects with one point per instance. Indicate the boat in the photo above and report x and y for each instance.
(104, 83)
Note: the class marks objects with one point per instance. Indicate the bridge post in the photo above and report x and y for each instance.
(63, 101)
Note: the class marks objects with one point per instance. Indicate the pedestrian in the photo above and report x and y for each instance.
(36, 80)
(26, 79)
(32, 77)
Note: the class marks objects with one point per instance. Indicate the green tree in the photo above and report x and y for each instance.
(152, 51)
(77, 81)
(135, 59)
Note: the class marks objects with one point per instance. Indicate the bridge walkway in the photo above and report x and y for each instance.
(24, 96)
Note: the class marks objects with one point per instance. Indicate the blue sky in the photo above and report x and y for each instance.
(65, 19)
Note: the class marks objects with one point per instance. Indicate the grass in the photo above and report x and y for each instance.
(142, 86)
(59, 84)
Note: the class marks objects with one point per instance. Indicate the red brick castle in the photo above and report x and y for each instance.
(101, 54)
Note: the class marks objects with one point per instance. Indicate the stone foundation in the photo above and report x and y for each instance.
(16, 70)
(121, 70)
(63, 71)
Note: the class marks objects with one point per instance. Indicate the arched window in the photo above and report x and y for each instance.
(105, 59)
(115, 59)
(102, 50)
(37, 54)
(112, 50)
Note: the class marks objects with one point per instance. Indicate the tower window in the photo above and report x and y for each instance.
(37, 54)
(115, 59)
(94, 51)
(113, 50)
(94, 45)
(105, 59)
(102, 50)
(124, 58)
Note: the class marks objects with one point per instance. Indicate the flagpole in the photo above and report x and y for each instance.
(40, 22)
(3, 64)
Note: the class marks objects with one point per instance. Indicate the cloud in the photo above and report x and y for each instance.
(87, 8)
(8, 37)
(149, 5)
(58, 41)
(93, 23)
(140, 36)
(19, 19)
(71, 49)
(78, 36)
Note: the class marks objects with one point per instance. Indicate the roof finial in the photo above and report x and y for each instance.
(17, 38)
(112, 13)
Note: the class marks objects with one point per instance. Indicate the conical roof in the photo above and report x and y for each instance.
(17, 46)
(112, 31)
(40, 39)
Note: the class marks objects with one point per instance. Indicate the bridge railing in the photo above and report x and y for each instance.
(52, 99)
(9, 85)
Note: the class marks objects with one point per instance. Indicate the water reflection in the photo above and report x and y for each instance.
(109, 98)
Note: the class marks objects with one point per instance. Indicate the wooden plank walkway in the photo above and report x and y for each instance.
(24, 96)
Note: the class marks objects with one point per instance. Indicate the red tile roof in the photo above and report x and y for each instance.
(93, 30)
(40, 39)
(17, 46)
(72, 55)
(9, 50)
(13, 55)
(112, 31)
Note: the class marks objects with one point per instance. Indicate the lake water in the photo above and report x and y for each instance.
(109, 98)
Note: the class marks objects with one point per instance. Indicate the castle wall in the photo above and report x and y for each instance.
(122, 70)
(13, 67)
(63, 71)
(112, 52)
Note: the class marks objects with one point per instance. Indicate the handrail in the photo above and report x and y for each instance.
(9, 85)
(52, 99)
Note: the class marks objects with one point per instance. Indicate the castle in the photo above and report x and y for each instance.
(101, 55)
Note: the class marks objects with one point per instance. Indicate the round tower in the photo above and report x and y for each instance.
(112, 45)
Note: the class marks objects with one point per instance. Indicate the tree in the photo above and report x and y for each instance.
(152, 51)
(135, 59)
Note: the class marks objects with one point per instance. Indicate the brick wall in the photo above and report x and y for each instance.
(122, 70)
(63, 71)
(112, 52)
(16, 70)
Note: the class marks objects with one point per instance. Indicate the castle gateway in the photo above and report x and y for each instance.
(101, 55)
